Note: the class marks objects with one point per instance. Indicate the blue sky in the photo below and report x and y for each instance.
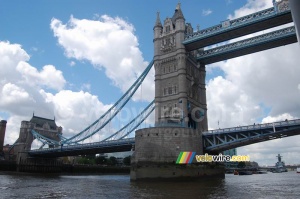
(48, 68)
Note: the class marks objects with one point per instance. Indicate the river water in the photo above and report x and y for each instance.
(271, 185)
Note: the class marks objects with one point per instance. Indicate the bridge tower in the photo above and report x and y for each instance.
(180, 95)
(180, 109)
(45, 127)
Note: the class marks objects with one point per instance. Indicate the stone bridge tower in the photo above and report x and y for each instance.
(180, 109)
(43, 126)
(180, 95)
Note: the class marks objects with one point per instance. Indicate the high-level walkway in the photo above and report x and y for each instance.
(235, 28)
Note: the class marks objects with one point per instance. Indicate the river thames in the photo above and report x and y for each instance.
(271, 185)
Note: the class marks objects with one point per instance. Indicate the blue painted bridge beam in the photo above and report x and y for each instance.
(85, 149)
(262, 42)
(224, 139)
(235, 28)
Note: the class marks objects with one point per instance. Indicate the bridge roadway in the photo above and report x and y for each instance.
(235, 28)
(213, 141)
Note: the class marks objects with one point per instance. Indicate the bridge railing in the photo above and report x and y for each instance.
(255, 126)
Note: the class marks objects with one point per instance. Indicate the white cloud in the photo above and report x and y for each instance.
(282, 117)
(228, 105)
(251, 6)
(72, 63)
(206, 12)
(107, 43)
(13, 95)
(75, 110)
(49, 76)
(86, 87)
(10, 56)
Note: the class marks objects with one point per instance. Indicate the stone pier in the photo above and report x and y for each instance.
(156, 152)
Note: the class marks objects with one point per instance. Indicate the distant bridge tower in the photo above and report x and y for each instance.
(180, 95)
(45, 127)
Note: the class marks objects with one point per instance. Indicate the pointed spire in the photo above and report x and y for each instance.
(178, 6)
(158, 22)
(178, 13)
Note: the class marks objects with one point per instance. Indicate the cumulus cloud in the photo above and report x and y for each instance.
(282, 117)
(75, 110)
(49, 76)
(13, 94)
(107, 43)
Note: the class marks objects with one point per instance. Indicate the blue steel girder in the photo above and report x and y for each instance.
(84, 149)
(247, 46)
(224, 139)
(235, 28)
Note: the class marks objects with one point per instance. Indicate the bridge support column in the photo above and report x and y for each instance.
(295, 7)
(157, 150)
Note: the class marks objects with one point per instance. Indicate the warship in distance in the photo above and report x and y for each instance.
(279, 166)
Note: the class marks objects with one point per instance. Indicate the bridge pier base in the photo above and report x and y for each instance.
(157, 150)
(29, 164)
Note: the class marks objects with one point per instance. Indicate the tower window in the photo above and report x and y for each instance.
(165, 91)
(168, 29)
(170, 90)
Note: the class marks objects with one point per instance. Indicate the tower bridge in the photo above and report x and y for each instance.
(180, 104)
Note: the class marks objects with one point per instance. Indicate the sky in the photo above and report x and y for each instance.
(71, 60)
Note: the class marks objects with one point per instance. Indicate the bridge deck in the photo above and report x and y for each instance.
(224, 139)
(84, 149)
(238, 27)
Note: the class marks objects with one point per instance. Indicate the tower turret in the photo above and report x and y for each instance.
(158, 28)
